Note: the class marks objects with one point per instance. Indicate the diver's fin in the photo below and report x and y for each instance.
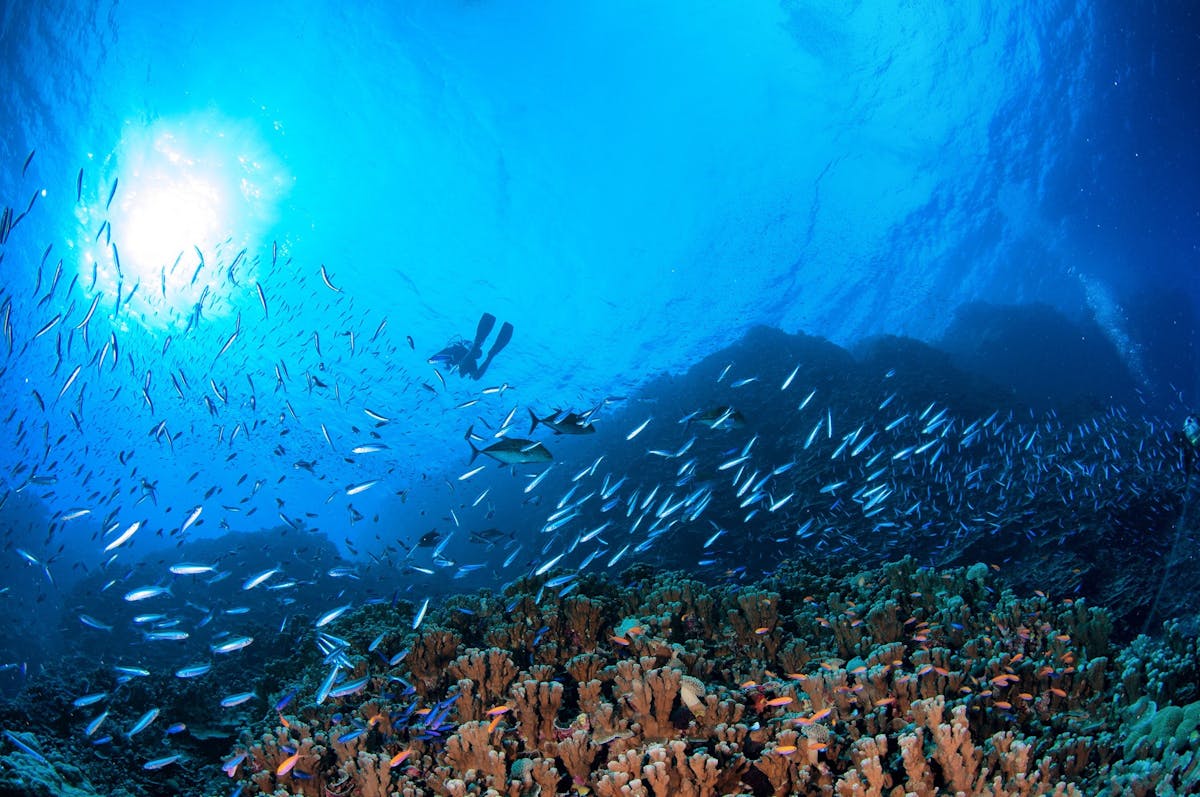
(506, 333)
(486, 322)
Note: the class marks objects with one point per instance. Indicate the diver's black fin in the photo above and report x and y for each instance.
(486, 322)
(506, 333)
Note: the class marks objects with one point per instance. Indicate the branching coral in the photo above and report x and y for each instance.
(536, 705)
(483, 679)
(472, 757)
(428, 658)
(648, 696)
(900, 680)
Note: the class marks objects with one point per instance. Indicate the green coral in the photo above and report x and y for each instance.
(21, 773)
(1161, 751)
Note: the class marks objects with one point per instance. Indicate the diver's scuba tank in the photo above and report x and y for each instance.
(1191, 431)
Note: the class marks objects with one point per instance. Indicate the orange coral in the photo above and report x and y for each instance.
(893, 686)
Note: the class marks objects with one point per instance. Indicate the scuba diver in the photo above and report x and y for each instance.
(464, 356)
(1188, 440)
(1181, 557)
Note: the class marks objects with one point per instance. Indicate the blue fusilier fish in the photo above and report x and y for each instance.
(88, 700)
(95, 723)
(193, 671)
(142, 593)
(349, 687)
(237, 643)
(350, 736)
(142, 722)
(236, 699)
(437, 716)
(159, 763)
(283, 702)
(16, 740)
(332, 615)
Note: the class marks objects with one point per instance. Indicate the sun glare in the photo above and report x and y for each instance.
(190, 194)
(170, 206)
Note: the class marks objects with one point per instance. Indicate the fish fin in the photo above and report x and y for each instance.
(471, 443)
(533, 420)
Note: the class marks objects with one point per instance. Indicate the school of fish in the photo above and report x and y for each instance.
(280, 400)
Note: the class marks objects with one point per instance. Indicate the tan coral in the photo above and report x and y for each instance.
(585, 619)
(609, 728)
(545, 776)
(472, 757)
(680, 606)
(954, 749)
(542, 672)
(535, 707)
(621, 776)
(916, 765)
(657, 770)
(428, 659)
(782, 763)
(370, 774)
(483, 679)
(754, 622)
(577, 753)
(671, 772)
(718, 713)
(265, 758)
(954, 695)
(648, 697)
(867, 777)
(585, 667)
(793, 656)
(588, 697)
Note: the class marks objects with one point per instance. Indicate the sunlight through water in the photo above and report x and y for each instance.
(187, 196)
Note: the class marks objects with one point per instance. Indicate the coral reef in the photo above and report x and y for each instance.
(1160, 722)
(901, 680)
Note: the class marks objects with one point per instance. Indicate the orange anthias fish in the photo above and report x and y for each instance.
(287, 765)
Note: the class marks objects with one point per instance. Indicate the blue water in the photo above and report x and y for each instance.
(633, 186)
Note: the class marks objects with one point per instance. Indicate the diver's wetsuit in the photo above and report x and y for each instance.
(1188, 440)
(459, 355)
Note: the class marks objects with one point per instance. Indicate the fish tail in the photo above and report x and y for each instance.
(533, 420)
(471, 443)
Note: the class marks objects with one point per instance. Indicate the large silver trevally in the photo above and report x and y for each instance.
(512, 451)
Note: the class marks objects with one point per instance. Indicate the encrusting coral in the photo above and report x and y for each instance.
(902, 680)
